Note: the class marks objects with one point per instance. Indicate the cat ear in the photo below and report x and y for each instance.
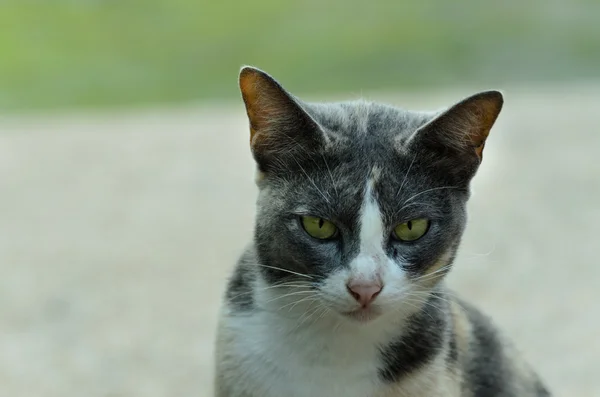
(278, 124)
(454, 140)
(464, 128)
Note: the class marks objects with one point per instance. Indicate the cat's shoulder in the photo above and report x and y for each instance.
(489, 362)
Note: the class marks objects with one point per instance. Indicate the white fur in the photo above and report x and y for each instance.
(371, 257)
(271, 356)
(370, 264)
(310, 360)
(300, 345)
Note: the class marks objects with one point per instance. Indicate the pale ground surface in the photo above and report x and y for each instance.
(118, 231)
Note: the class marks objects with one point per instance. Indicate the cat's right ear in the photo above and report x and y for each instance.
(278, 124)
(455, 138)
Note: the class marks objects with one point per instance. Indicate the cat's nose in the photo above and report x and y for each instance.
(364, 292)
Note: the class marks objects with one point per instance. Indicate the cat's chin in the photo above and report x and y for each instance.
(363, 315)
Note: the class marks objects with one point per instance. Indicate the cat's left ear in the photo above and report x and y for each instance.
(461, 131)
(279, 127)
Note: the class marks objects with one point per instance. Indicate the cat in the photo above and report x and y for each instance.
(360, 212)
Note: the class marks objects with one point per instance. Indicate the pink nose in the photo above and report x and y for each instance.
(364, 293)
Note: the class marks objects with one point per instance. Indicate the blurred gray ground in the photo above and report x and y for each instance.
(117, 233)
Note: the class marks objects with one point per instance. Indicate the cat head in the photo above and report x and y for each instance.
(361, 205)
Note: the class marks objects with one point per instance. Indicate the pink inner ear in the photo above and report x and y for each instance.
(250, 88)
(486, 112)
(467, 124)
(264, 100)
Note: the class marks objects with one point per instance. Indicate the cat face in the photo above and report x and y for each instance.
(361, 206)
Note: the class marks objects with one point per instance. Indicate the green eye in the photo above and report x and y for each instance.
(318, 227)
(411, 230)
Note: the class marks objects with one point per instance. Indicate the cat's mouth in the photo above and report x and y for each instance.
(363, 314)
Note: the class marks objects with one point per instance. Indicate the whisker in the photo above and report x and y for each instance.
(330, 175)
(429, 190)
(419, 308)
(285, 270)
(293, 304)
(297, 284)
(429, 275)
(426, 302)
(428, 295)
(311, 180)
(306, 320)
(421, 204)
(288, 284)
(306, 316)
(475, 254)
(406, 175)
(322, 315)
(291, 284)
(288, 295)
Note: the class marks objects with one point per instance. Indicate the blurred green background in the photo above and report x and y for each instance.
(113, 53)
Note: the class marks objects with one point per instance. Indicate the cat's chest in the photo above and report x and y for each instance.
(309, 381)
(308, 362)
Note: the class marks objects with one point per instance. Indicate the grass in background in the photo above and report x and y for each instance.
(97, 53)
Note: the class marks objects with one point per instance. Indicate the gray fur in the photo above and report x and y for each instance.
(328, 181)
(314, 159)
